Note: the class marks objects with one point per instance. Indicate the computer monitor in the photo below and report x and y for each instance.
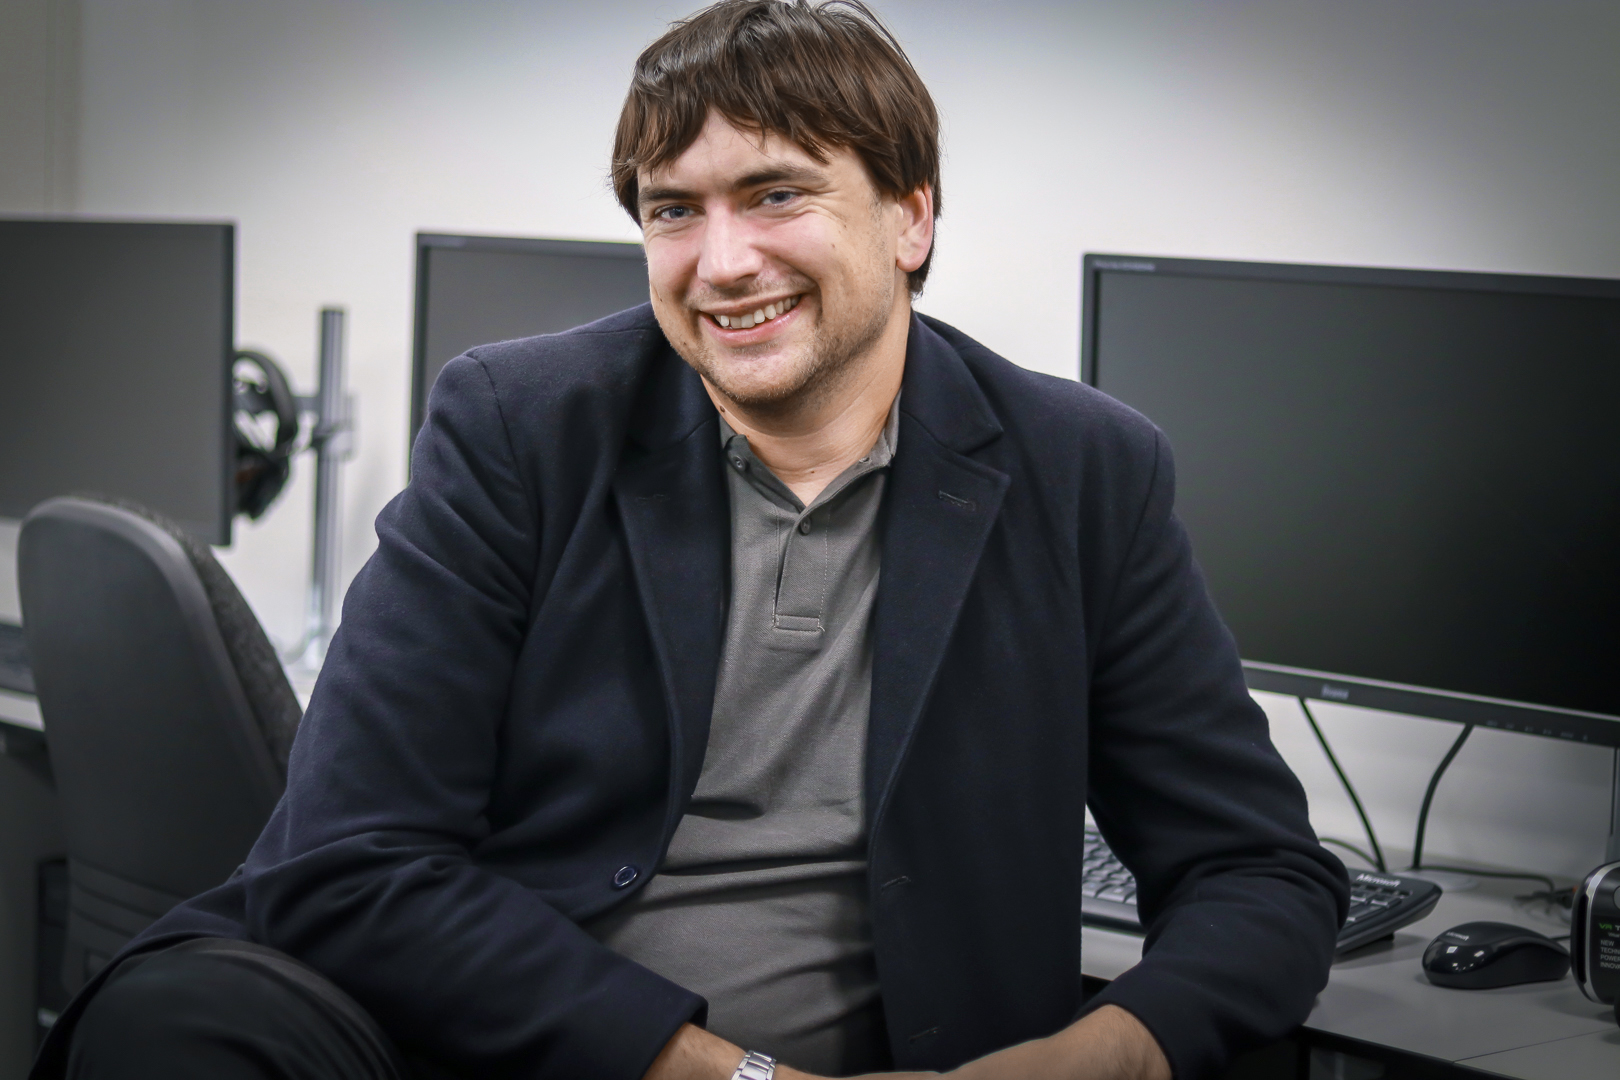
(471, 290)
(116, 345)
(1403, 487)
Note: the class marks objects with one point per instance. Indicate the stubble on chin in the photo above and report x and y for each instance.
(822, 364)
(806, 375)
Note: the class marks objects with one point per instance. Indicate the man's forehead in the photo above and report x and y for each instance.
(728, 156)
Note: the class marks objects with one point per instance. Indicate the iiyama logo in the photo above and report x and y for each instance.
(1336, 693)
(1139, 265)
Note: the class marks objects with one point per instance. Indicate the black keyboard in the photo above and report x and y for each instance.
(15, 674)
(1380, 904)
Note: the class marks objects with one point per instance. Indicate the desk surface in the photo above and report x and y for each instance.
(20, 709)
(1378, 995)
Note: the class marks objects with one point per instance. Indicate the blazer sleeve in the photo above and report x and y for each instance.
(1241, 903)
(365, 870)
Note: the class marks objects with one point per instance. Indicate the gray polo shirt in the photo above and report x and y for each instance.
(760, 904)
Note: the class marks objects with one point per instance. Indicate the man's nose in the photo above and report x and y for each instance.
(730, 255)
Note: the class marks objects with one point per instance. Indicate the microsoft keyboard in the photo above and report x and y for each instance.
(1380, 904)
(15, 674)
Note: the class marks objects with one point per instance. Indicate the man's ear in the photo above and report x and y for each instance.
(916, 228)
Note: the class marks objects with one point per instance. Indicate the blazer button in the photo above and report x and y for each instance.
(625, 877)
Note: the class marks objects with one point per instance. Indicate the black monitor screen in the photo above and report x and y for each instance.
(1399, 477)
(115, 364)
(471, 290)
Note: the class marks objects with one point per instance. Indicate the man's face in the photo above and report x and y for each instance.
(773, 273)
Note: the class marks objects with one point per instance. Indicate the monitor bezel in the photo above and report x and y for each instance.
(1519, 716)
(227, 505)
(429, 242)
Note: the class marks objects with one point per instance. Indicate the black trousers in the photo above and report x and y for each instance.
(223, 1010)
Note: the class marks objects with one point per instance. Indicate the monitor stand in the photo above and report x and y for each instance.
(332, 439)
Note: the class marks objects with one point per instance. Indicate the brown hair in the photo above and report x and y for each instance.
(820, 75)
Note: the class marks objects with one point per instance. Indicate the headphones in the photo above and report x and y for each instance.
(1595, 936)
(261, 397)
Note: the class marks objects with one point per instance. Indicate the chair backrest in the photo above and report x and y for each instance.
(167, 715)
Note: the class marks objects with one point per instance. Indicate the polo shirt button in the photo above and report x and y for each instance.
(804, 526)
(625, 877)
(737, 461)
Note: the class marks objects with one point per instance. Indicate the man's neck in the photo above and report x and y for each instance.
(809, 443)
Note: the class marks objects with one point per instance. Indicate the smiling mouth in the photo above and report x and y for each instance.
(747, 320)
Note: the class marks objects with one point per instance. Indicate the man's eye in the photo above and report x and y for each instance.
(672, 213)
(778, 198)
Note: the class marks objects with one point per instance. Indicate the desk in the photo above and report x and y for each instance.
(18, 710)
(32, 834)
(1378, 1004)
(21, 710)
(22, 732)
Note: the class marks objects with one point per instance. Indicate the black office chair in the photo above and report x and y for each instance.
(167, 715)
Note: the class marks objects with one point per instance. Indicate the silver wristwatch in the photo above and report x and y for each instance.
(755, 1066)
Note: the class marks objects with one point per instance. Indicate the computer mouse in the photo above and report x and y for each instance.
(1482, 955)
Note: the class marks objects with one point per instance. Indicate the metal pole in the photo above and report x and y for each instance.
(331, 444)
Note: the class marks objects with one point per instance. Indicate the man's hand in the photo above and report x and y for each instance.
(694, 1054)
(1109, 1044)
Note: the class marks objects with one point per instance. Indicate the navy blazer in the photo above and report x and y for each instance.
(512, 718)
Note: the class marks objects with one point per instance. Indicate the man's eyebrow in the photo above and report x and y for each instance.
(661, 194)
(776, 174)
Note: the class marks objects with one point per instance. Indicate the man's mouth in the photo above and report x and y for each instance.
(747, 320)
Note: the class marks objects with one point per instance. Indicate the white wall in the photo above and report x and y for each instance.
(1467, 134)
(38, 104)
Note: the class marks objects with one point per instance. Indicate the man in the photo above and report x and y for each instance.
(733, 675)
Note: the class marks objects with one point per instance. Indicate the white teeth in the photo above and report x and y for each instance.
(764, 314)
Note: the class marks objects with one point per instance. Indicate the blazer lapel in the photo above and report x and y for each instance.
(940, 507)
(672, 499)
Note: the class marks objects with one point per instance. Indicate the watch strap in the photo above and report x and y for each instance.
(755, 1066)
